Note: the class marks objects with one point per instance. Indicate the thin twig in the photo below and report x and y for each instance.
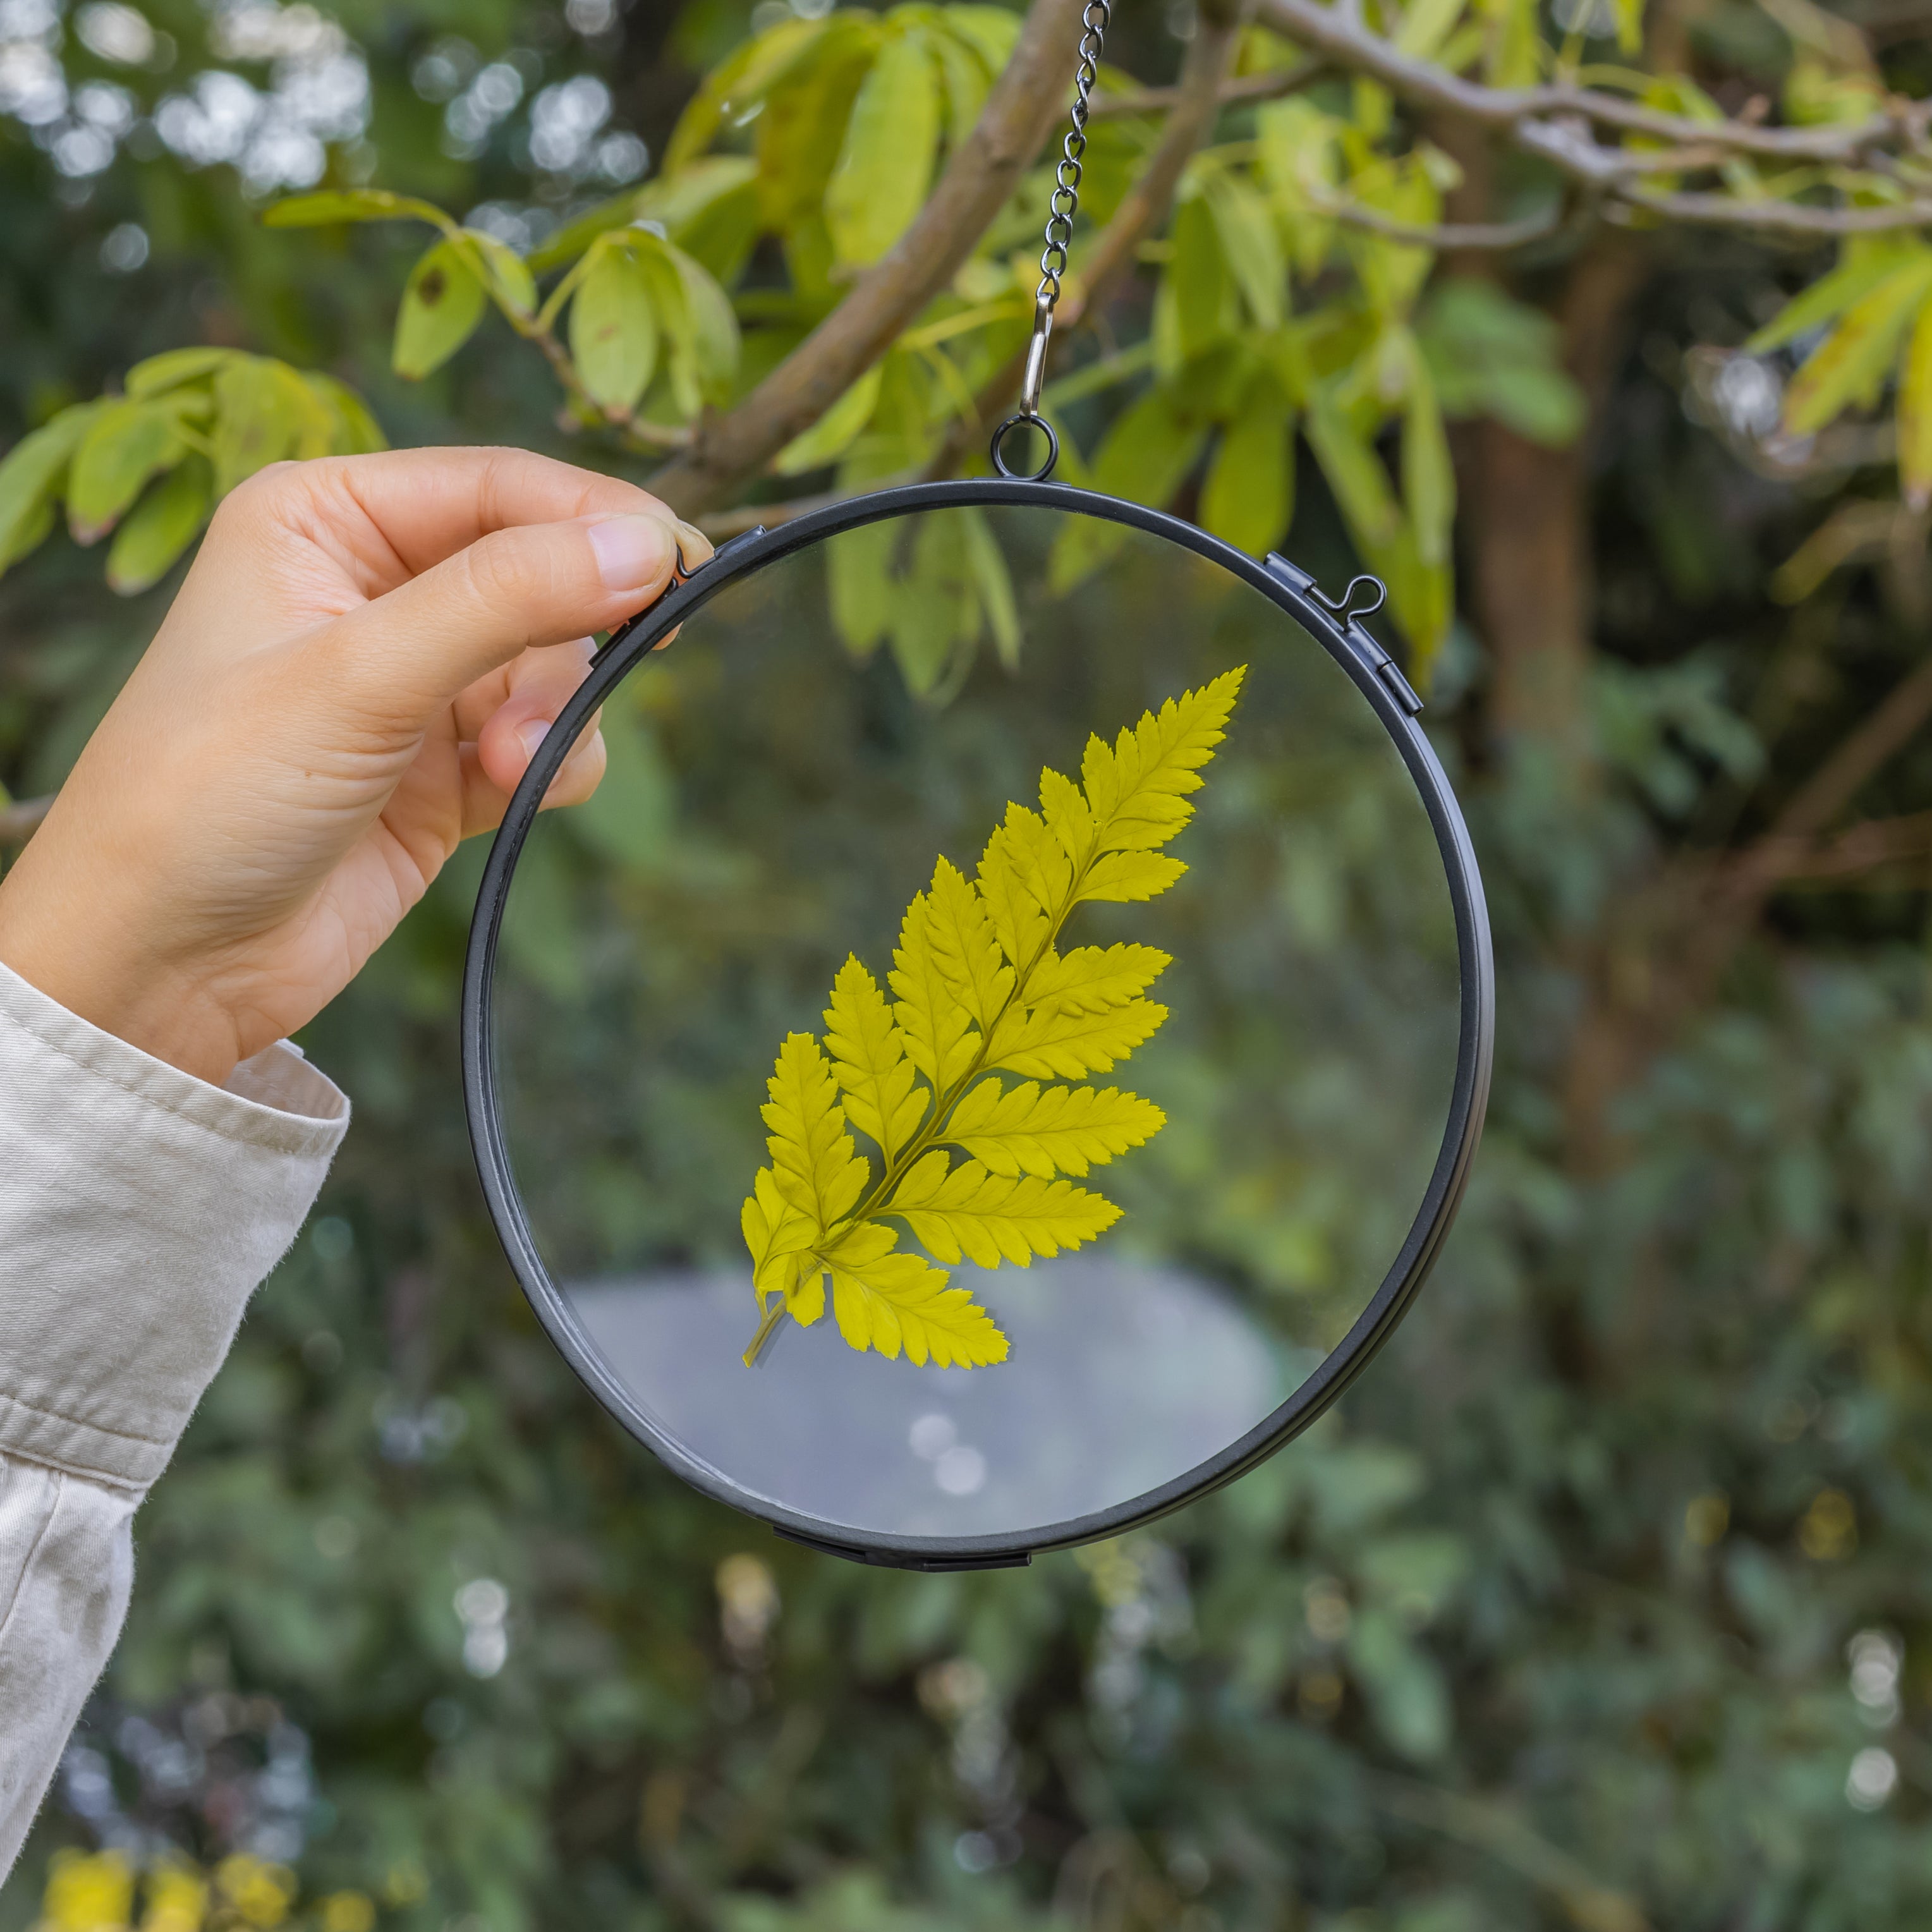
(21, 820)
(719, 524)
(644, 439)
(1778, 218)
(985, 168)
(1889, 729)
(1485, 236)
(1498, 1829)
(1248, 90)
(1859, 848)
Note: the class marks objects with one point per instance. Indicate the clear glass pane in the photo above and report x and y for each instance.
(772, 804)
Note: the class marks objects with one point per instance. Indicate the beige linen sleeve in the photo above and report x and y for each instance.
(140, 1207)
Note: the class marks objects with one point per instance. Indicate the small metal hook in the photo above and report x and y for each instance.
(1344, 606)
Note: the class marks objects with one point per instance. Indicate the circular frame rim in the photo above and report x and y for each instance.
(1369, 666)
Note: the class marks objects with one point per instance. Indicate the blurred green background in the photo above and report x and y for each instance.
(1604, 1601)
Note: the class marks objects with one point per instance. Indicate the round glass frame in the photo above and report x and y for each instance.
(1335, 625)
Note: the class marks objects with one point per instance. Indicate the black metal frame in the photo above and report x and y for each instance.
(1335, 625)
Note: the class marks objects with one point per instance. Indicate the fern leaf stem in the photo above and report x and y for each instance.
(931, 1131)
(767, 1328)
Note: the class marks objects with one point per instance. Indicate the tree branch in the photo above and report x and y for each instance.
(1337, 34)
(981, 175)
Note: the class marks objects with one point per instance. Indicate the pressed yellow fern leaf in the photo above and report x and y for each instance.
(868, 1059)
(989, 1218)
(929, 1012)
(1049, 1041)
(979, 988)
(1056, 1130)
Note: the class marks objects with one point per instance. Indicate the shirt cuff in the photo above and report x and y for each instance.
(138, 1208)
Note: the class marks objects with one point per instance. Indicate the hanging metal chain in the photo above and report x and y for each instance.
(1093, 21)
(1067, 177)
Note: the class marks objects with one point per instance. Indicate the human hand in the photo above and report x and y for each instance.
(353, 678)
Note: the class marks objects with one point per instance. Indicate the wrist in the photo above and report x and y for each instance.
(82, 960)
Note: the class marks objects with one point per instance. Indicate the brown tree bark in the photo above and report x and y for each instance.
(1530, 526)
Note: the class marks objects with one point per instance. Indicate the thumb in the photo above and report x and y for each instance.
(420, 644)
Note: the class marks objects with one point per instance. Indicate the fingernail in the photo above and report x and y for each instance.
(632, 552)
(532, 735)
(697, 545)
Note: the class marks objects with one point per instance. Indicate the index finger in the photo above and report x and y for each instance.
(403, 511)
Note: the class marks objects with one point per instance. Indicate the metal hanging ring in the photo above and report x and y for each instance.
(1006, 429)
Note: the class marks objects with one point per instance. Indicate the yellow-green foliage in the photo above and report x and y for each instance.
(979, 989)
(95, 1893)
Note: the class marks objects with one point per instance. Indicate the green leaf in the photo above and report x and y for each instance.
(1354, 473)
(441, 305)
(1848, 366)
(718, 192)
(1144, 457)
(834, 433)
(1393, 273)
(264, 411)
(1250, 245)
(1832, 295)
(1248, 497)
(613, 329)
(173, 367)
(506, 275)
(1425, 25)
(356, 431)
(330, 205)
(885, 166)
(859, 579)
(164, 523)
(1421, 597)
(936, 614)
(695, 317)
(965, 77)
(1197, 281)
(711, 212)
(1301, 161)
(994, 583)
(739, 82)
(993, 30)
(1514, 57)
(1428, 475)
(124, 445)
(32, 477)
(632, 816)
(1405, 1690)
(1915, 412)
(1489, 355)
(714, 344)
(806, 117)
